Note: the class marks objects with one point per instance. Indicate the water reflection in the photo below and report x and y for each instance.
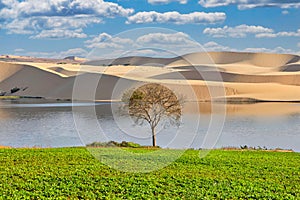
(51, 124)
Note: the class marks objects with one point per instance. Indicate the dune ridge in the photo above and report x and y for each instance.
(202, 58)
(235, 76)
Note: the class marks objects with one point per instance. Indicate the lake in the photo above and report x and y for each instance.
(40, 123)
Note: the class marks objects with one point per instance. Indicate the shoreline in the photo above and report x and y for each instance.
(235, 100)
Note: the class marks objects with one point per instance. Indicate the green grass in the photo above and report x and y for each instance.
(73, 173)
(9, 97)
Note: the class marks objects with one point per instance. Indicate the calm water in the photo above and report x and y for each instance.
(61, 124)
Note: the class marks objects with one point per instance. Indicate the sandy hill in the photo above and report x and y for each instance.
(210, 58)
(35, 82)
(132, 60)
(197, 76)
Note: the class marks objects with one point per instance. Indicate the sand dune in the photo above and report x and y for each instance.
(256, 59)
(132, 60)
(197, 76)
(63, 71)
(230, 77)
(41, 83)
(290, 68)
(7, 70)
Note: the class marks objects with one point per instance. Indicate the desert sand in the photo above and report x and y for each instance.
(236, 77)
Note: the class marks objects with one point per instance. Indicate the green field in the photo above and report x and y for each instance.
(73, 173)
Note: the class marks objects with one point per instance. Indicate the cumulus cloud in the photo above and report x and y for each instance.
(99, 38)
(176, 18)
(279, 34)
(28, 8)
(79, 52)
(248, 4)
(36, 16)
(240, 31)
(278, 49)
(244, 30)
(47, 24)
(166, 1)
(58, 33)
(161, 44)
(19, 50)
(158, 40)
(174, 44)
(105, 40)
(213, 46)
(164, 38)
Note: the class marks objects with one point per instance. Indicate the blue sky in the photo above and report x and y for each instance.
(59, 28)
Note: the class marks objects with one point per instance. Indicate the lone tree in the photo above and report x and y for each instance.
(154, 104)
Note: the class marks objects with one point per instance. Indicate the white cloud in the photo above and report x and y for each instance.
(151, 44)
(79, 52)
(153, 39)
(19, 26)
(99, 38)
(36, 16)
(147, 52)
(248, 4)
(28, 8)
(177, 43)
(244, 30)
(162, 39)
(279, 34)
(285, 12)
(47, 24)
(19, 50)
(176, 18)
(278, 49)
(105, 40)
(213, 46)
(60, 33)
(166, 1)
(159, 44)
(237, 31)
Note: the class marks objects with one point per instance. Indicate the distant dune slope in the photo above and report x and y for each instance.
(230, 77)
(209, 59)
(257, 59)
(132, 60)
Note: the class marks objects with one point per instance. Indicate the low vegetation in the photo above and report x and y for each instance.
(73, 173)
(114, 144)
(258, 148)
(9, 97)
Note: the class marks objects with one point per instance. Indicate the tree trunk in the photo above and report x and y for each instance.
(153, 136)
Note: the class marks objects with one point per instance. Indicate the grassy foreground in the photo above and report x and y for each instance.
(73, 173)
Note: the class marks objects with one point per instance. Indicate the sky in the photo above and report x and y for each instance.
(106, 29)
